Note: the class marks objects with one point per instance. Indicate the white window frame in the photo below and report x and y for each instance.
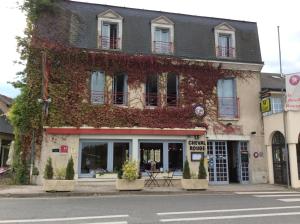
(162, 22)
(225, 29)
(111, 17)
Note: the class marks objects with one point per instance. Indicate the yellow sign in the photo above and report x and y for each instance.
(265, 105)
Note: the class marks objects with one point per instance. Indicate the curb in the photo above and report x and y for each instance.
(117, 193)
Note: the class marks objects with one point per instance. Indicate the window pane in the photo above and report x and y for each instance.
(175, 156)
(120, 89)
(277, 104)
(93, 158)
(97, 87)
(151, 156)
(172, 90)
(151, 90)
(162, 41)
(121, 154)
(227, 101)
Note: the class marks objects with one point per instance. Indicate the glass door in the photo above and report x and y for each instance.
(218, 162)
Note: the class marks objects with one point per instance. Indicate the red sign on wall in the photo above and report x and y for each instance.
(63, 149)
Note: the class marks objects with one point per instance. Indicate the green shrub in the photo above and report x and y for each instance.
(35, 171)
(120, 173)
(70, 170)
(202, 172)
(186, 170)
(48, 173)
(130, 170)
(60, 173)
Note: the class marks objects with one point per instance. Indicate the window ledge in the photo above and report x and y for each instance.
(228, 119)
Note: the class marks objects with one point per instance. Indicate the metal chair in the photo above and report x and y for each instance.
(168, 179)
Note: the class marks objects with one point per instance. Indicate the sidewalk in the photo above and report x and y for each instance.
(109, 189)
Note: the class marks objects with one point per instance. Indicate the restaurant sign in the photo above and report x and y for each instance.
(292, 83)
(196, 145)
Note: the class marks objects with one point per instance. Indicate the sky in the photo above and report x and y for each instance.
(268, 15)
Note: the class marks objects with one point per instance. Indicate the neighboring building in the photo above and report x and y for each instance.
(6, 130)
(231, 124)
(273, 93)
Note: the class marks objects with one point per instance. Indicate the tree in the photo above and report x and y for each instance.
(48, 173)
(186, 170)
(202, 172)
(70, 170)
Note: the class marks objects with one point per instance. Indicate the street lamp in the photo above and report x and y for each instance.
(283, 100)
(282, 77)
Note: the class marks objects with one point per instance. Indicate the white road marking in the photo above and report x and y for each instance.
(267, 192)
(289, 199)
(122, 222)
(227, 210)
(63, 219)
(229, 217)
(277, 195)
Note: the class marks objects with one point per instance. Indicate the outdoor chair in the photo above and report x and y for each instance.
(168, 178)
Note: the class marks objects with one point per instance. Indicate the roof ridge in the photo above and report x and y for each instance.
(149, 10)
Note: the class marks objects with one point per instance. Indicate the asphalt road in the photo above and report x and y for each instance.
(218, 208)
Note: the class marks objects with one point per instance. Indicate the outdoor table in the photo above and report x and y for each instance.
(152, 178)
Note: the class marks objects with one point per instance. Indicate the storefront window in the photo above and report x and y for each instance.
(175, 156)
(94, 158)
(121, 154)
(151, 156)
(161, 156)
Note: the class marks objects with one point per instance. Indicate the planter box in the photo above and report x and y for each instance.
(194, 184)
(58, 185)
(125, 185)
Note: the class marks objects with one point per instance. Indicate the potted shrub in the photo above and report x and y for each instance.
(34, 175)
(188, 183)
(129, 179)
(64, 177)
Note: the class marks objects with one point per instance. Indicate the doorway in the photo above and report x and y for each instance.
(279, 158)
(228, 162)
(233, 162)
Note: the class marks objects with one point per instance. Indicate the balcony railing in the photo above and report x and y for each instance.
(112, 43)
(228, 107)
(227, 52)
(98, 97)
(172, 100)
(120, 98)
(162, 47)
(151, 99)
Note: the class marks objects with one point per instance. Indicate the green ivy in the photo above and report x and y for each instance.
(25, 114)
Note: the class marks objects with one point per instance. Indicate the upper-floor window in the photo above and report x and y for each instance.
(98, 87)
(110, 30)
(152, 90)
(225, 41)
(162, 33)
(227, 100)
(276, 105)
(172, 90)
(120, 89)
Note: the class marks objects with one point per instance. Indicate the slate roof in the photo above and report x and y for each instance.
(76, 24)
(268, 82)
(7, 100)
(5, 127)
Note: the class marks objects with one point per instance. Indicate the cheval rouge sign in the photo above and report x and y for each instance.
(197, 145)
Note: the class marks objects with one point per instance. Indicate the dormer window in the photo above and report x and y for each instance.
(110, 30)
(162, 32)
(225, 41)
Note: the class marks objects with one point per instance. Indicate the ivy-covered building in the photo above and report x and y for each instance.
(157, 87)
